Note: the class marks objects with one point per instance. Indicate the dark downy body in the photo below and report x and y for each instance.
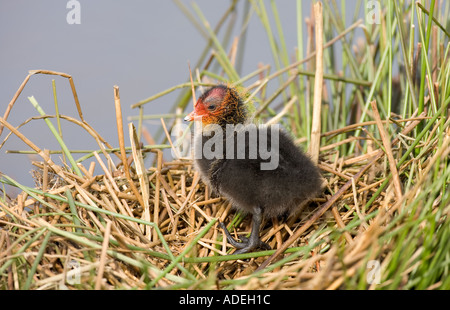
(277, 192)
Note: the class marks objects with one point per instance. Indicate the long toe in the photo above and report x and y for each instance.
(250, 246)
(247, 244)
(264, 245)
(247, 248)
(260, 243)
(231, 240)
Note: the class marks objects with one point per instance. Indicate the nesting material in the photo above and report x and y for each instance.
(55, 238)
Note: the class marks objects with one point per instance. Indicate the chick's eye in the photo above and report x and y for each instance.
(212, 107)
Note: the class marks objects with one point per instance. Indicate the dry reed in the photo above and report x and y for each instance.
(136, 226)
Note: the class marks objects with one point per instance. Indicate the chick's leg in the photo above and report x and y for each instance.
(251, 243)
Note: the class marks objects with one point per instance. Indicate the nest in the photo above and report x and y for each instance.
(157, 227)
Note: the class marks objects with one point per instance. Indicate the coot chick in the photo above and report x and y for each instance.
(258, 168)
